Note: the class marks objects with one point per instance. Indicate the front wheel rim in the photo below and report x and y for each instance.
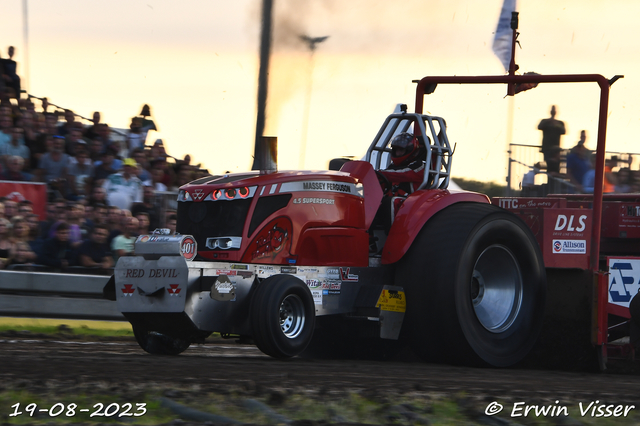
(292, 316)
(496, 288)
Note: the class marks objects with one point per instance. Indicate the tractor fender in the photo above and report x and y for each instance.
(414, 213)
(366, 175)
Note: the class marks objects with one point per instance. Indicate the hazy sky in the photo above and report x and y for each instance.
(195, 63)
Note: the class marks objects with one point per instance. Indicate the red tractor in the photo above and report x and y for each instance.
(280, 254)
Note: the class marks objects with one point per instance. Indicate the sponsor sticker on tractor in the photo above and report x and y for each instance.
(624, 280)
(570, 246)
(393, 301)
(188, 248)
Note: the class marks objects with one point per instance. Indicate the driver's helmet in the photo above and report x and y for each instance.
(404, 148)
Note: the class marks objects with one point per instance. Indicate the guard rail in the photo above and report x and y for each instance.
(55, 295)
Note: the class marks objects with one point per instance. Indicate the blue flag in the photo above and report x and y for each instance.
(504, 34)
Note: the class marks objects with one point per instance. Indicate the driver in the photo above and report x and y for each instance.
(406, 171)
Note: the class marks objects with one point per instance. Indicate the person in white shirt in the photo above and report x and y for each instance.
(124, 188)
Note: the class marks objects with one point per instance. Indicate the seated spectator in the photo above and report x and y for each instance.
(23, 254)
(57, 251)
(140, 157)
(25, 208)
(6, 246)
(114, 223)
(13, 172)
(100, 215)
(91, 132)
(10, 208)
(53, 167)
(65, 128)
(6, 124)
(104, 135)
(33, 220)
(147, 206)
(78, 228)
(21, 231)
(14, 147)
(96, 150)
(184, 176)
(74, 141)
(156, 180)
(168, 213)
(55, 211)
(623, 177)
(98, 196)
(143, 223)
(31, 136)
(79, 173)
(95, 252)
(104, 168)
(172, 223)
(167, 172)
(123, 244)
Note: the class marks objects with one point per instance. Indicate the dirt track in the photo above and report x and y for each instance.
(43, 364)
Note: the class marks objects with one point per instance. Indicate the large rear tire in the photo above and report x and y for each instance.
(157, 343)
(475, 284)
(282, 316)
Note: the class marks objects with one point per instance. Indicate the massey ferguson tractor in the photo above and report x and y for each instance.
(289, 258)
(265, 256)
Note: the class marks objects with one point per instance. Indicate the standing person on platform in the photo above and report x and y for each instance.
(552, 130)
(579, 164)
(147, 122)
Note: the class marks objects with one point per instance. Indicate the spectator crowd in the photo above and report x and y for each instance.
(101, 183)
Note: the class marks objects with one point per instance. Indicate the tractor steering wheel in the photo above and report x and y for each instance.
(385, 183)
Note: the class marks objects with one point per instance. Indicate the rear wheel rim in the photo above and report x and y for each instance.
(292, 316)
(496, 288)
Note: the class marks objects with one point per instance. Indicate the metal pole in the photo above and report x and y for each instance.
(510, 111)
(25, 27)
(263, 80)
(313, 43)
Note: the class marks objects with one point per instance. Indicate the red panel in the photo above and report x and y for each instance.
(566, 238)
(333, 247)
(563, 235)
(621, 219)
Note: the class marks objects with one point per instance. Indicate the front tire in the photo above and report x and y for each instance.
(282, 316)
(475, 285)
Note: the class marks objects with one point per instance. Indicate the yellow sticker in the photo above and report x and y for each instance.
(392, 301)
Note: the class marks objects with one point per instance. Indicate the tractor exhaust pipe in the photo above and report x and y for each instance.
(269, 155)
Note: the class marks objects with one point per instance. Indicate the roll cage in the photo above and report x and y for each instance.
(431, 132)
